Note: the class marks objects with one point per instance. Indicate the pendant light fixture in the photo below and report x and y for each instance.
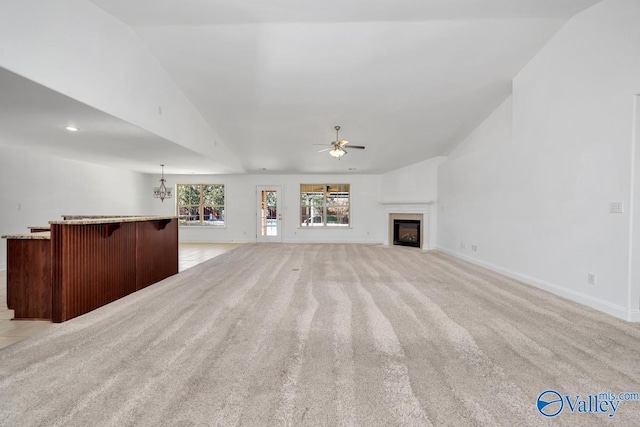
(162, 192)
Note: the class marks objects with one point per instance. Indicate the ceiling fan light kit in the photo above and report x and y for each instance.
(337, 147)
(337, 152)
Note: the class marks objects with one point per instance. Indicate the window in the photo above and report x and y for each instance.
(201, 204)
(324, 205)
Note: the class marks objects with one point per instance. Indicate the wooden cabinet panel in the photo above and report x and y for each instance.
(29, 289)
(156, 251)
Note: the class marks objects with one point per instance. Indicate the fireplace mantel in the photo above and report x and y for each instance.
(426, 208)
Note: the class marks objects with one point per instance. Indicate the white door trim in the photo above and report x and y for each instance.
(277, 222)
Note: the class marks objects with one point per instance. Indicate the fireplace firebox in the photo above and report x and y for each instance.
(406, 232)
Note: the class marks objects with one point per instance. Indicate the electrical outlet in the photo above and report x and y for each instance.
(474, 248)
(462, 245)
(591, 278)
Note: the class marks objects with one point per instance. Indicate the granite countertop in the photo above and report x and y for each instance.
(43, 235)
(39, 227)
(111, 220)
(73, 217)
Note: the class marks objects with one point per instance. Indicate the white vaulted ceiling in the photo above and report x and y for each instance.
(211, 12)
(409, 79)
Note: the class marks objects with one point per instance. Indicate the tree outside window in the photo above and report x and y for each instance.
(201, 204)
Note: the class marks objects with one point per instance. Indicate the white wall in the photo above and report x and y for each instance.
(536, 203)
(44, 188)
(413, 183)
(241, 207)
(472, 187)
(79, 50)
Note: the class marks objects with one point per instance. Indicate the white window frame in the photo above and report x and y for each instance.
(322, 217)
(201, 206)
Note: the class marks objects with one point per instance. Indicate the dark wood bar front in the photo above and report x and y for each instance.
(29, 289)
(90, 263)
(154, 261)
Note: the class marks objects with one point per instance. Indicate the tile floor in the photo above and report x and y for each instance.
(191, 254)
(12, 331)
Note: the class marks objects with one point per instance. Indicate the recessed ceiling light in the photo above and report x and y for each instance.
(72, 129)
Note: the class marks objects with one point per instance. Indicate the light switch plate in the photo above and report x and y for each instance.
(615, 207)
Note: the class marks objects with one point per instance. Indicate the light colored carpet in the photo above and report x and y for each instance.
(279, 334)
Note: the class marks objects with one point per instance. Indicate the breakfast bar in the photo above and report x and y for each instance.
(85, 263)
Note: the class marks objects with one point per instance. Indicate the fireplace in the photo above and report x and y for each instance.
(416, 211)
(406, 232)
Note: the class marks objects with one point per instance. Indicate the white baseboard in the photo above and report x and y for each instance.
(210, 242)
(634, 316)
(333, 242)
(299, 241)
(588, 300)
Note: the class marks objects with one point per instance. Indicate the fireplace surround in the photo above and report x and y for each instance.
(406, 220)
(425, 212)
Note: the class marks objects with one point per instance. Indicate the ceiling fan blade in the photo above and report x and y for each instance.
(325, 149)
(342, 143)
(360, 147)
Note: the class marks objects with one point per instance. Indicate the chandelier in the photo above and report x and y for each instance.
(162, 192)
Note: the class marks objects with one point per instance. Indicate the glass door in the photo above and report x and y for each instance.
(269, 216)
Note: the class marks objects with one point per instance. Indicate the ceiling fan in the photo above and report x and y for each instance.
(337, 147)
